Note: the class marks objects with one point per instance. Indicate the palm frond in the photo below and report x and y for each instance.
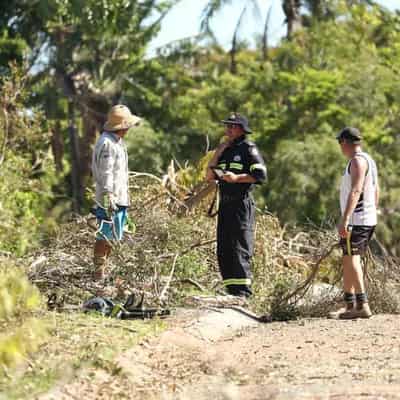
(209, 11)
(257, 13)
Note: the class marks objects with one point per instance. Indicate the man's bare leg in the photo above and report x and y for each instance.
(348, 286)
(353, 279)
(353, 282)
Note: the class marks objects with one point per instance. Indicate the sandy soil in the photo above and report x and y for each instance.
(221, 354)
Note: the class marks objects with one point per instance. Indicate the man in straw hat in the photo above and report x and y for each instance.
(238, 165)
(359, 196)
(110, 172)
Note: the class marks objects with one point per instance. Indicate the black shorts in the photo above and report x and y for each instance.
(357, 242)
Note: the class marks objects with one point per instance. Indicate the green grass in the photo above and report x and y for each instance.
(76, 341)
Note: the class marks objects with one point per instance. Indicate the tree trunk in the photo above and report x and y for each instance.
(291, 8)
(57, 146)
(75, 167)
(265, 36)
(233, 65)
(93, 109)
(90, 130)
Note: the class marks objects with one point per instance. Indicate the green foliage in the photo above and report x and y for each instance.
(279, 310)
(27, 169)
(17, 295)
(71, 349)
(146, 147)
(310, 170)
(340, 69)
(11, 49)
(23, 205)
(18, 299)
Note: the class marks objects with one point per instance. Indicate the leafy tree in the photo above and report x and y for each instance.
(305, 179)
(340, 69)
(11, 49)
(93, 52)
(27, 168)
(212, 8)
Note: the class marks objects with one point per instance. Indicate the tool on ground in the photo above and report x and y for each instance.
(129, 310)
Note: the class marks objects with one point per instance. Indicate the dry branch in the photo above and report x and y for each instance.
(200, 193)
(303, 288)
(141, 264)
(171, 274)
(194, 283)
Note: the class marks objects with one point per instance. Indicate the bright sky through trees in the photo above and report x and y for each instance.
(184, 21)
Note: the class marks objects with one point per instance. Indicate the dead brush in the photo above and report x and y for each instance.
(298, 274)
(172, 254)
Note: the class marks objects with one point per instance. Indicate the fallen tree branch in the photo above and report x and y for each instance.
(134, 175)
(307, 283)
(200, 192)
(196, 245)
(194, 283)
(167, 284)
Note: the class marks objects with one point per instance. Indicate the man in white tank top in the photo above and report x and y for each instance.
(359, 195)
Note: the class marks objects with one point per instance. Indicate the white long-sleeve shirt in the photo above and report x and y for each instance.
(110, 168)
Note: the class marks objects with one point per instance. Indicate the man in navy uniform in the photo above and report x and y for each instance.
(240, 168)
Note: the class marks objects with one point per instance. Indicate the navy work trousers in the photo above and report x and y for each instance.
(235, 243)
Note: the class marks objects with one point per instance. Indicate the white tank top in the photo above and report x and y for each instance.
(365, 211)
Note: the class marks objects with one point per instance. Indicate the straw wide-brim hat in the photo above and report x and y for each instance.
(120, 117)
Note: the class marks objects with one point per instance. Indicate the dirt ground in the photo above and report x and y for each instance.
(221, 354)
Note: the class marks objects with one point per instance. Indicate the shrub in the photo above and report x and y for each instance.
(20, 331)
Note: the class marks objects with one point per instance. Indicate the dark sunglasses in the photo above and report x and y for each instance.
(231, 126)
(341, 141)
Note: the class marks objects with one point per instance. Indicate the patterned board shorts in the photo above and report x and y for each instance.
(357, 242)
(111, 229)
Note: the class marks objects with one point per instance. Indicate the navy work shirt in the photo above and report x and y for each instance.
(241, 157)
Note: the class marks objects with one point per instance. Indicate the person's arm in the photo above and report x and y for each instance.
(258, 170)
(238, 178)
(105, 168)
(210, 176)
(358, 169)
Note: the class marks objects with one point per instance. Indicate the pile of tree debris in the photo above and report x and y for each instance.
(170, 255)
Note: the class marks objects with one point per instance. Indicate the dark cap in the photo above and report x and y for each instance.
(351, 134)
(237, 119)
